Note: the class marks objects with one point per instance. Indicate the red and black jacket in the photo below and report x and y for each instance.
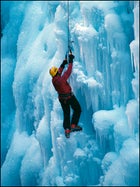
(60, 81)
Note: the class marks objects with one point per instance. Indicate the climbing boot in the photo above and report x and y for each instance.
(67, 133)
(75, 128)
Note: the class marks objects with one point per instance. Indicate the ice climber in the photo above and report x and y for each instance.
(66, 97)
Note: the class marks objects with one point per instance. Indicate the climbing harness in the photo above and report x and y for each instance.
(65, 97)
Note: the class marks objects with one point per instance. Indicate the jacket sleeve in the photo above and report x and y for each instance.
(67, 72)
(60, 70)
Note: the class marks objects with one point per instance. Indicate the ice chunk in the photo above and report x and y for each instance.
(79, 153)
(107, 161)
(104, 123)
(130, 162)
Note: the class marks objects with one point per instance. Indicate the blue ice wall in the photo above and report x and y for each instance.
(105, 80)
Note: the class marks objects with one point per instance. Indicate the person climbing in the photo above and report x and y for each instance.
(66, 97)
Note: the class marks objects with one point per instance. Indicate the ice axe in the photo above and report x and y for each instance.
(69, 49)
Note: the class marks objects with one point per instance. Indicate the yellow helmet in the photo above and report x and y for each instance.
(53, 71)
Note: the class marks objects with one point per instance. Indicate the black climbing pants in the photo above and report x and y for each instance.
(66, 104)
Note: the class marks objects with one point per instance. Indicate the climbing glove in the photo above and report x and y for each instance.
(64, 63)
(71, 57)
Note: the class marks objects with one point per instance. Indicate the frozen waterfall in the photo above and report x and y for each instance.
(105, 80)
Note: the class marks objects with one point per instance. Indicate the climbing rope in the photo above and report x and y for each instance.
(69, 42)
(68, 21)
